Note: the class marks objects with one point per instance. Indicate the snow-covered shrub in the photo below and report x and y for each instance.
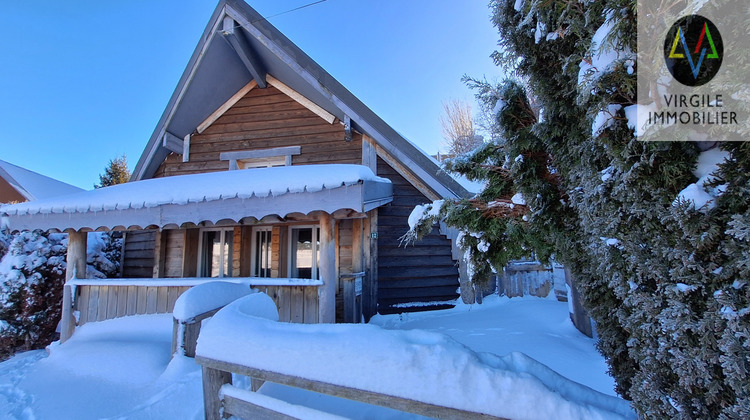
(32, 275)
(103, 253)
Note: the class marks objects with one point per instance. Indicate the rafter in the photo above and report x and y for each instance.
(233, 33)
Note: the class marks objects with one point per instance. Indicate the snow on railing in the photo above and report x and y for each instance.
(416, 371)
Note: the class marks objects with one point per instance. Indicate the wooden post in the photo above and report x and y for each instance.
(370, 260)
(579, 316)
(327, 268)
(213, 379)
(76, 267)
(160, 253)
(369, 154)
(352, 312)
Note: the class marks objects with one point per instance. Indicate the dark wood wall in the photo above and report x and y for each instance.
(423, 272)
(263, 119)
(138, 258)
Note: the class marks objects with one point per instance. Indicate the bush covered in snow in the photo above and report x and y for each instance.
(658, 241)
(32, 274)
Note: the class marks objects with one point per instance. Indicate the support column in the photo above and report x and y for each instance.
(327, 269)
(76, 267)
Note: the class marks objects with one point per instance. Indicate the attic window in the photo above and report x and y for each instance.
(262, 158)
(262, 162)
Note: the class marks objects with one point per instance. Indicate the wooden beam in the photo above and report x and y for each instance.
(225, 107)
(347, 128)
(186, 148)
(312, 106)
(407, 174)
(172, 143)
(369, 154)
(260, 153)
(234, 34)
(160, 253)
(76, 268)
(213, 380)
(327, 270)
(340, 391)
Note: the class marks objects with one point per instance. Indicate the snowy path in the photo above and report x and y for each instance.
(121, 369)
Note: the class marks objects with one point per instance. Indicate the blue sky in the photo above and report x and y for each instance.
(83, 81)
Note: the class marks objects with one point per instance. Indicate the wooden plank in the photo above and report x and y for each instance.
(93, 303)
(140, 307)
(369, 397)
(285, 304)
(159, 254)
(312, 106)
(297, 308)
(260, 153)
(311, 305)
(190, 256)
(122, 301)
(186, 148)
(101, 311)
(151, 299)
(162, 299)
(112, 300)
(132, 300)
(83, 304)
(369, 154)
(349, 301)
(172, 294)
(226, 105)
(213, 380)
(247, 410)
(245, 52)
(172, 143)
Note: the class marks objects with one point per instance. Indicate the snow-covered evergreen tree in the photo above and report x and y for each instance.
(657, 234)
(32, 274)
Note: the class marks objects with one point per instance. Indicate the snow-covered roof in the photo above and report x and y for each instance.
(211, 197)
(34, 186)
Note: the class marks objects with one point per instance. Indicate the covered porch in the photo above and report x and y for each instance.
(302, 234)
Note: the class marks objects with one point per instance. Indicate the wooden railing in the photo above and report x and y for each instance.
(221, 398)
(101, 299)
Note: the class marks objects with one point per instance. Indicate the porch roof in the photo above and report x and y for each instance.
(208, 197)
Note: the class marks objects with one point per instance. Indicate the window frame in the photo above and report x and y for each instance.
(254, 248)
(291, 247)
(222, 239)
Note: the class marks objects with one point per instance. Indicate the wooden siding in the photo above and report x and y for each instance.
(174, 253)
(8, 194)
(99, 303)
(423, 272)
(265, 118)
(297, 304)
(138, 254)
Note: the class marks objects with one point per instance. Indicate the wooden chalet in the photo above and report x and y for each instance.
(263, 167)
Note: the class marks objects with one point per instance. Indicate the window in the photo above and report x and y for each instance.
(303, 259)
(216, 249)
(262, 162)
(261, 253)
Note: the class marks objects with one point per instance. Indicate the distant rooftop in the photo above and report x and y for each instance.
(30, 185)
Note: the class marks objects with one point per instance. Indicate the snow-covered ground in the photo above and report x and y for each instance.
(121, 368)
